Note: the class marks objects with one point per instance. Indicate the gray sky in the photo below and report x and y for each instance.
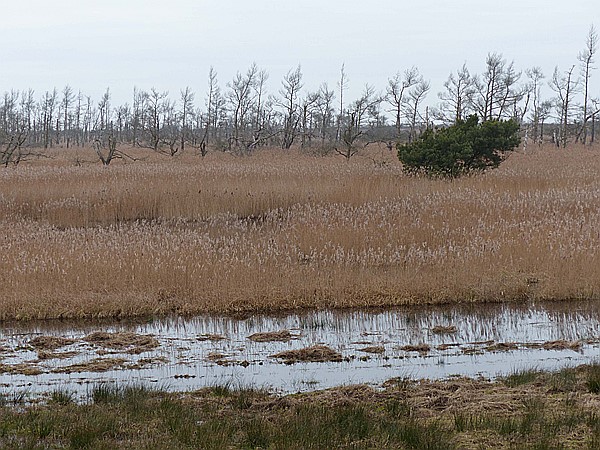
(171, 44)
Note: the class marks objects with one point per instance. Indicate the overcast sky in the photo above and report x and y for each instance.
(171, 44)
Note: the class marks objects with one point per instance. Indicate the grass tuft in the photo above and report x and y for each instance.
(520, 377)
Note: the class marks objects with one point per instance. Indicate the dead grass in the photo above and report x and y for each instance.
(442, 329)
(129, 342)
(315, 353)
(21, 369)
(50, 342)
(421, 348)
(94, 365)
(212, 337)
(272, 336)
(373, 349)
(45, 355)
(282, 231)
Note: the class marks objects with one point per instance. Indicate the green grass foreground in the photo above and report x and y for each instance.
(528, 409)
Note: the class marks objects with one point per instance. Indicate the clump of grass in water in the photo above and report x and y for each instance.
(112, 393)
(61, 397)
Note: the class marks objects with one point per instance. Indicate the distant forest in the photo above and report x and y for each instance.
(241, 115)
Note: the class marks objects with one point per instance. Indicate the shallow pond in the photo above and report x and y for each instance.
(367, 347)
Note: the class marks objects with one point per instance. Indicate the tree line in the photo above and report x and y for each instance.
(242, 115)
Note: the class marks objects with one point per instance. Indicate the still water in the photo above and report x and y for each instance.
(489, 341)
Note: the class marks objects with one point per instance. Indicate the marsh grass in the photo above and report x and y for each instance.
(61, 397)
(281, 231)
(593, 378)
(521, 376)
(477, 414)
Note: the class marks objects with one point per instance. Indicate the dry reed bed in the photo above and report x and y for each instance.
(278, 231)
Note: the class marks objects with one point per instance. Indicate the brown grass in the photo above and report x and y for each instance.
(50, 342)
(278, 231)
(442, 329)
(124, 341)
(272, 336)
(315, 353)
(94, 365)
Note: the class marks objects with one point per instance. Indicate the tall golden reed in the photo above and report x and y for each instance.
(284, 230)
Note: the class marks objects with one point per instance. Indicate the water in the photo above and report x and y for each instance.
(185, 359)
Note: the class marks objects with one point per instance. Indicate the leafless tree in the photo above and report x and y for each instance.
(596, 110)
(457, 97)
(396, 90)
(16, 117)
(497, 89)
(586, 60)
(342, 86)
(308, 111)
(68, 97)
(155, 108)
(106, 147)
(47, 107)
(138, 113)
(213, 102)
(324, 111)
(359, 111)
(123, 121)
(415, 96)
(187, 108)
(241, 95)
(564, 85)
(535, 76)
(544, 113)
(104, 111)
(290, 90)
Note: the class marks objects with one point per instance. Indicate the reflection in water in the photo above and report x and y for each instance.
(186, 359)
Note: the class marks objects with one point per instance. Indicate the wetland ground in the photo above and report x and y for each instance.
(186, 302)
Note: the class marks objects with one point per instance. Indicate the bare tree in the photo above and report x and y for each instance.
(104, 111)
(360, 110)
(87, 119)
(291, 85)
(544, 113)
(535, 76)
(212, 104)
(138, 114)
(106, 147)
(123, 119)
(68, 97)
(187, 107)
(396, 90)
(325, 112)
(241, 95)
(14, 129)
(415, 96)
(308, 110)
(497, 91)
(47, 107)
(342, 85)
(155, 108)
(596, 111)
(564, 85)
(457, 96)
(586, 60)
(171, 129)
